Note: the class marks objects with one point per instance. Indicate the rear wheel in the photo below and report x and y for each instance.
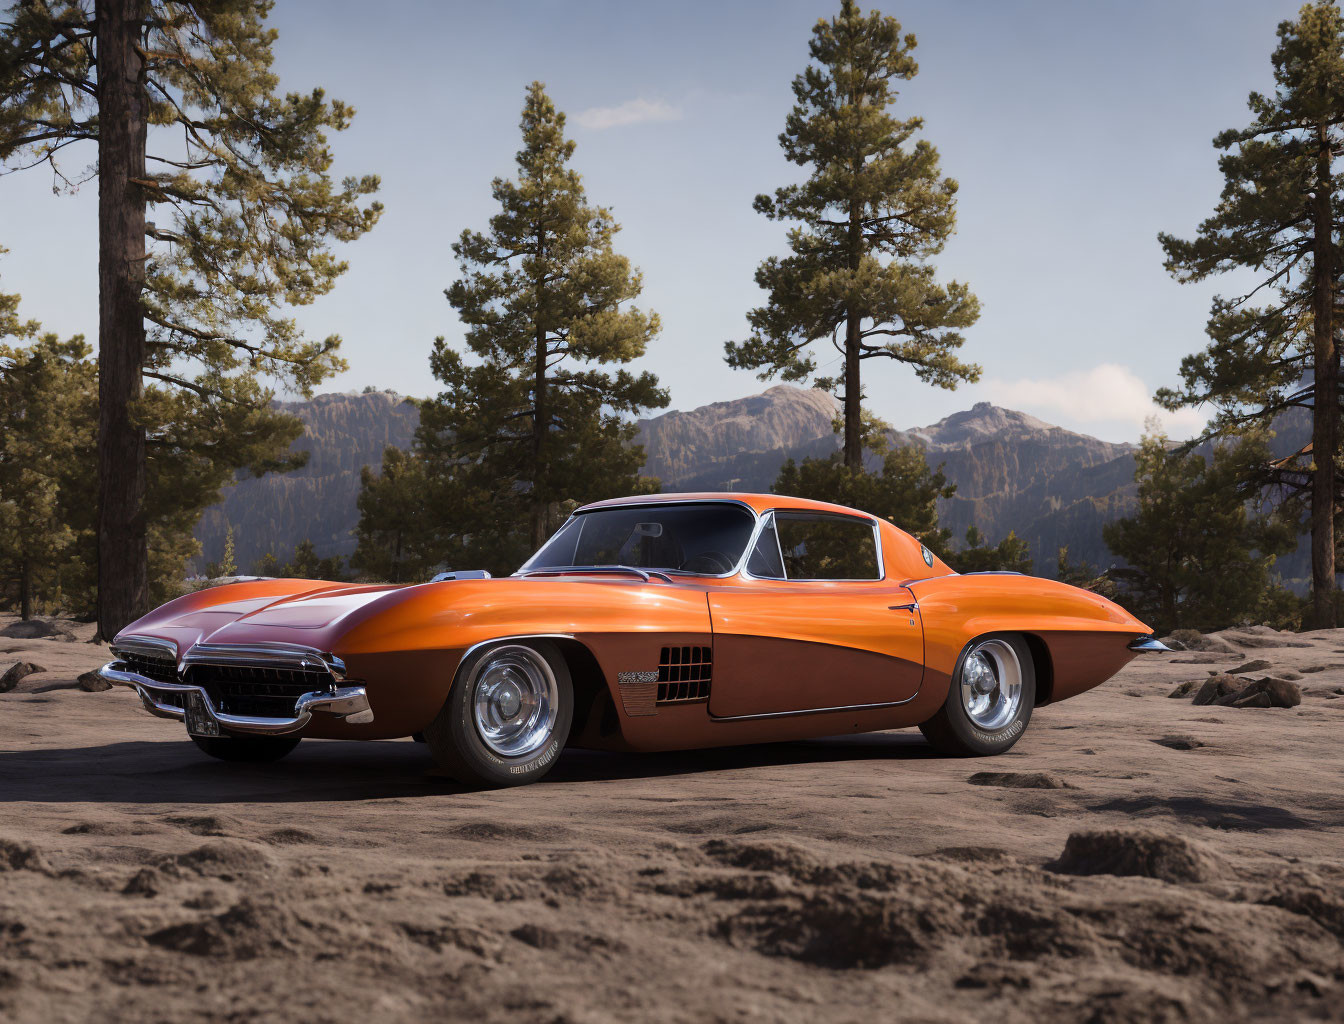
(254, 749)
(989, 702)
(507, 716)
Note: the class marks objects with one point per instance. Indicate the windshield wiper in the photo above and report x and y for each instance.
(561, 570)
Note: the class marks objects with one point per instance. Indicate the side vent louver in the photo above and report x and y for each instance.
(683, 674)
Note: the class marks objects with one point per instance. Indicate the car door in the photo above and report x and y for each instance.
(813, 624)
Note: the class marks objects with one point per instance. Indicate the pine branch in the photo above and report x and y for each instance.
(203, 392)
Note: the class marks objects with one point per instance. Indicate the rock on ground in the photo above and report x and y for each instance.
(92, 682)
(1217, 687)
(1264, 693)
(1193, 640)
(15, 673)
(33, 629)
(1113, 852)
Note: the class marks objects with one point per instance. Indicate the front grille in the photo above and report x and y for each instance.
(683, 674)
(162, 670)
(259, 692)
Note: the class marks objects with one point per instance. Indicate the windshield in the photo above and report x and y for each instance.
(703, 540)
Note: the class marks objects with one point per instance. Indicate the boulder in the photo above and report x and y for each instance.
(1257, 665)
(1262, 638)
(1193, 640)
(1264, 693)
(16, 672)
(35, 629)
(92, 682)
(1215, 688)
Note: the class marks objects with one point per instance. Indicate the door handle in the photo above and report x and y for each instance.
(913, 606)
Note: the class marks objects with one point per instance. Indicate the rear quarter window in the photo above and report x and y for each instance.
(827, 547)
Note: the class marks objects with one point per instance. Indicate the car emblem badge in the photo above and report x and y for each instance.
(629, 678)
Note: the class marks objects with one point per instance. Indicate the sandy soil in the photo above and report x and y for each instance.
(845, 879)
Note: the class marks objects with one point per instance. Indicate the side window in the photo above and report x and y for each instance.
(827, 547)
(764, 562)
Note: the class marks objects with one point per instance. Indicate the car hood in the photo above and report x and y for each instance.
(344, 619)
(266, 614)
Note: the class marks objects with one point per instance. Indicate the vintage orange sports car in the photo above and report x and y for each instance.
(655, 623)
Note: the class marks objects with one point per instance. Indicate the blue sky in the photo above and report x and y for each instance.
(1077, 132)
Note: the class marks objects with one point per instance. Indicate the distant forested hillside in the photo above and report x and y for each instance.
(342, 433)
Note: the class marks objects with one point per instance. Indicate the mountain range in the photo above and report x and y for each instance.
(1052, 486)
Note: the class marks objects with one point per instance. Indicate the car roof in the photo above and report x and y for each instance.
(757, 502)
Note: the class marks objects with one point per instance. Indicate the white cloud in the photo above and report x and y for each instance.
(639, 111)
(1109, 393)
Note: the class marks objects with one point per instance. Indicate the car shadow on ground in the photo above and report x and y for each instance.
(159, 772)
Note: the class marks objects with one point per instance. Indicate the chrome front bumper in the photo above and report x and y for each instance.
(350, 703)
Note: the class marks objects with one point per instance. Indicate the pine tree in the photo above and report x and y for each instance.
(46, 428)
(1010, 554)
(50, 402)
(905, 492)
(304, 564)
(396, 531)
(1273, 348)
(1196, 557)
(1085, 576)
(244, 211)
(228, 564)
(529, 422)
(873, 212)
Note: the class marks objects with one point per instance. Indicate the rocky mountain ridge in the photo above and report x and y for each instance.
(1013, 471)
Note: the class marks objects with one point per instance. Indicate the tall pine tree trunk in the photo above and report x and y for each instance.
(853, 387)
(1325, 414)
(540, 415)
(123, 558)
(853, 393)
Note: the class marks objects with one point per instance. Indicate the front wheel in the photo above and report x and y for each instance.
(507, 716)
(247, 749)
(989, 702)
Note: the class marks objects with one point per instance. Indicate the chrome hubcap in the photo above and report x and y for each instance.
(514, 700)
(991, 685)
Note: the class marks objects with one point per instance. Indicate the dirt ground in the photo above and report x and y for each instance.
(849, 879)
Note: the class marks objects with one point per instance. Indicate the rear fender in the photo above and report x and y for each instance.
(1078, 638)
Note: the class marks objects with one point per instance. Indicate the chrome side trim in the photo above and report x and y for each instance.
(1147, 645)
(580, 570)
(350, 703)
(814, 711)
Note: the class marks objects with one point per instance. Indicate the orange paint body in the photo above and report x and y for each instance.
(790, 659)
